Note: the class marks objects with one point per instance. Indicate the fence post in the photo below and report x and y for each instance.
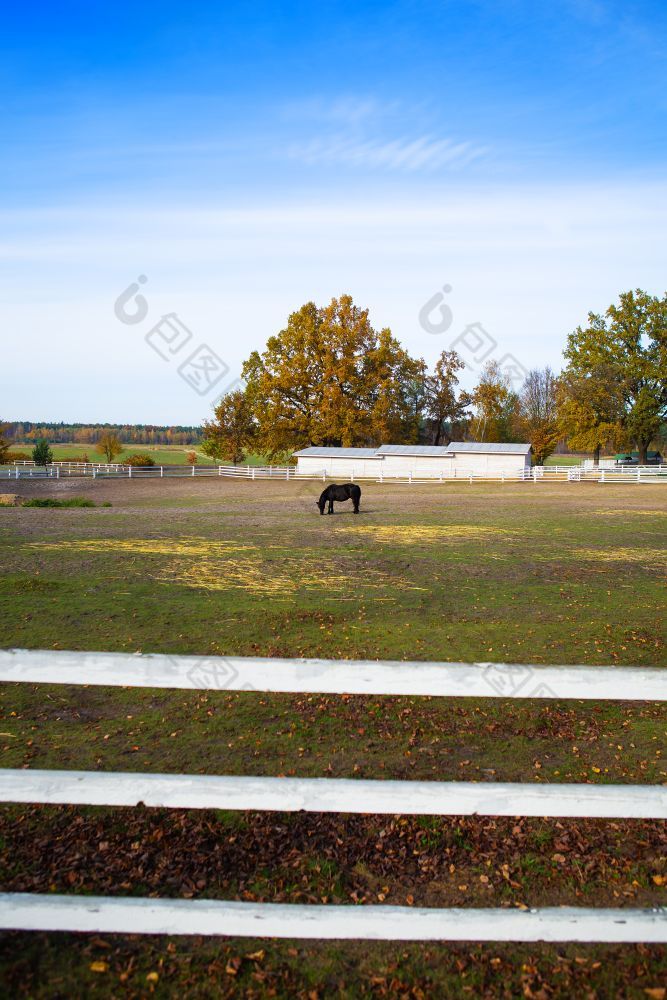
(253, 472)
(161, 471)
(129, 472)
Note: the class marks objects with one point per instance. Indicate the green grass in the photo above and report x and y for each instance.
(570, 573)
(69, 502)
(161, 454)
(566, 459)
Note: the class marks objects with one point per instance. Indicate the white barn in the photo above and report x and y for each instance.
(457, 460)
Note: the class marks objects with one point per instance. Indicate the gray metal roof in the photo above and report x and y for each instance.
(337, 453)
(424, 450)
(491, 448)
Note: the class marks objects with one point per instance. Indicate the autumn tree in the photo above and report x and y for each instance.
(496, 405)
(330, 378)
(233, 431)
(626, 350)
(537, 415)
(4, 443)
(109, 446)
(445, 410)
(590, 410)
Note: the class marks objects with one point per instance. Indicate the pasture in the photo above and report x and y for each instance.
(162, 454)
(563, 573)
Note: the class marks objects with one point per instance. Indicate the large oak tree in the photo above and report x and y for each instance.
(330, 378)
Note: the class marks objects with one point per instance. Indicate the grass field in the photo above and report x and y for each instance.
(575, 459)
(161, 454)
(570, 573)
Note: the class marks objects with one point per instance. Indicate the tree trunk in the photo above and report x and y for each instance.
(596, 454)
(643, 448)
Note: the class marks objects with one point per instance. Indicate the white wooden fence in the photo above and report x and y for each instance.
(29, 911)
(539, 473)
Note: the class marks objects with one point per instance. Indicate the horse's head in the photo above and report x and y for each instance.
(321, 504)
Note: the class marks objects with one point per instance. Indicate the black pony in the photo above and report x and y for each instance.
(348, 491)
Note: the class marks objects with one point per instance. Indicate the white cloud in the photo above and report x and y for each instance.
(422, 153)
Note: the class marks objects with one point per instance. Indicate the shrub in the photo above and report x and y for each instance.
(191, 457)
(41, 453)
(17, 456)
(136, 461)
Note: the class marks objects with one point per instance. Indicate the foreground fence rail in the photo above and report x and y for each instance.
(47, 912)
(314, 676)
(356, 795)
(104, 915)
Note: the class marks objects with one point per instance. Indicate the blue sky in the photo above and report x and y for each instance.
(249, 159)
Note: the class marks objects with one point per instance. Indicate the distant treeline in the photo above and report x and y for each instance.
(25, 431)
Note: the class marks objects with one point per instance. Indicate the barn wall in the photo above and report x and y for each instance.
(490, 464)
(404, 465)
(341, 468)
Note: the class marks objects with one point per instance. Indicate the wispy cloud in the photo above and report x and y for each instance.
(365, 133)
(425, 152)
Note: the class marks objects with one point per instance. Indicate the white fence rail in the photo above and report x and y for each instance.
(569, 473)
(311, 676)
(208, 917)
(345, 795)
(164, 916)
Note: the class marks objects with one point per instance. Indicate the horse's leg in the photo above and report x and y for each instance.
(331, 506)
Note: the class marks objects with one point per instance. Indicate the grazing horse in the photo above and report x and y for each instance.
(348, 491)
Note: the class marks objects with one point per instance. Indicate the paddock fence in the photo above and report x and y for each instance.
(536, 474)
(102, 914)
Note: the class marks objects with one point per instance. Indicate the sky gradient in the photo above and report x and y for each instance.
(248, 160)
